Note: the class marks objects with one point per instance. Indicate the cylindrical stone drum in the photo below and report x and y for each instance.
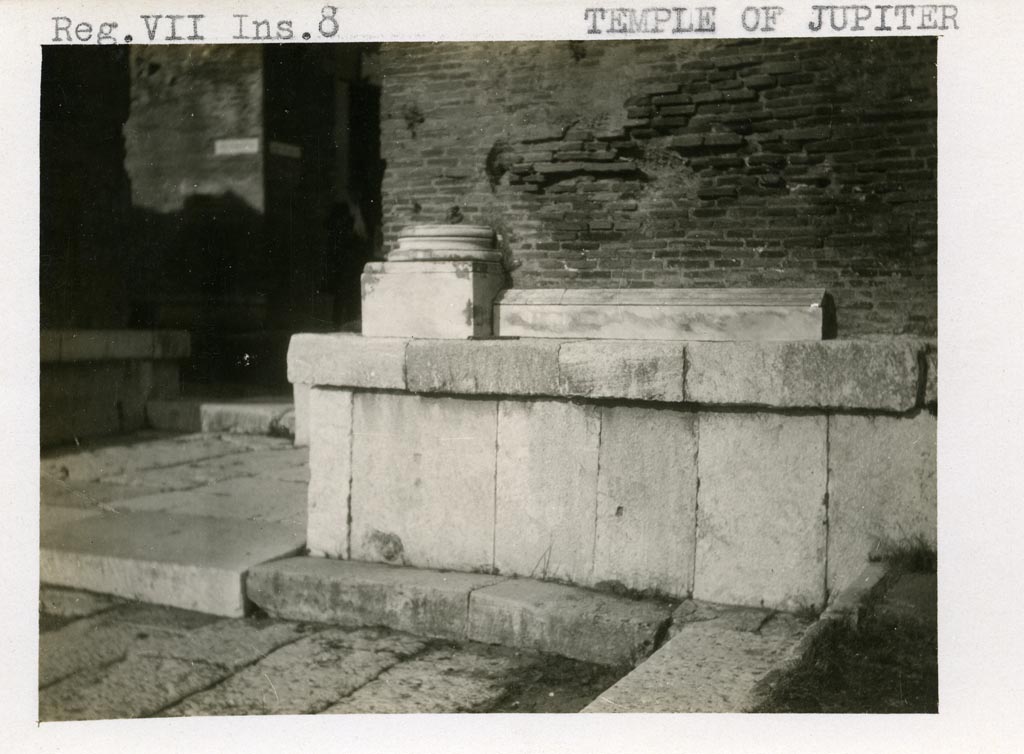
(445, 243)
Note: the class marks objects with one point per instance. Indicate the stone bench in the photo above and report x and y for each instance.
(97, 382)
(738, 472)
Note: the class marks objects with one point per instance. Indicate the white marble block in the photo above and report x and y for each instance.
(436, 299)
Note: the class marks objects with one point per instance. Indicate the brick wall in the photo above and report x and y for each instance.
(670, 163)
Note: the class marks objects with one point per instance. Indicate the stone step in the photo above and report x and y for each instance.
(251, 416)
(717, 659)
(566, 620)
(192, 562)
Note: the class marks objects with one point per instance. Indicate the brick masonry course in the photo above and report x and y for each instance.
(658, 164)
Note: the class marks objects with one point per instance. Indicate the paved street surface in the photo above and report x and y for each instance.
(103, 658)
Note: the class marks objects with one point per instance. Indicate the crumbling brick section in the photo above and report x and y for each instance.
(788, 162)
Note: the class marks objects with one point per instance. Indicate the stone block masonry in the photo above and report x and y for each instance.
(759, 474)
(668, 163)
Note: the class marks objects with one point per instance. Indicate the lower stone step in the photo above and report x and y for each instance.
(250, 416)
(719, 661)
(566, 620)
(192, 562)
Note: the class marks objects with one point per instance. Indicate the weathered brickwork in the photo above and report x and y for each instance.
(673, 164)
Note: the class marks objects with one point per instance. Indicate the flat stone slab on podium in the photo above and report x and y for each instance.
(193, 562)
(757, 314)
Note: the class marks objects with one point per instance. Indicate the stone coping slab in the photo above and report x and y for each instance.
(874, 374)
(108, 345)
(524, 613)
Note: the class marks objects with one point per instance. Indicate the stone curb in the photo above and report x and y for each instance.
(110, 345)
(884, 374)
(848, 608)
(522, 613)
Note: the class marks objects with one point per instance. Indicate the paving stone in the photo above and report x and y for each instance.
(74, 603)
(423, 481)
(862, 374)
(429, 603)
(546, 489)
(347, 360)
(126, 690)
(232, 644)
(440, 681)
(306, 676)
(264, 462)
(330, 467)
(882, 487)
(646, 499)
(160, 617)
(651, 370)
(248, 498)
(82, 645)
(761, 510)
(193, 562)
(489, 367)
(566, 620)
(55, 518)
(86, 495)
(134, 453)
(703, 668)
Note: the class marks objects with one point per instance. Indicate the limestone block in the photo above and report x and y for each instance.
(300, 394)
(761, 510)
(546, 489)
(869, 374)
(931, 385)
(881, 487)
(423, 481)
(496, 367)
(565, 620)
(663, 314)
(174, 415)
(424, 602)
(646, 498)
(193, 562)
(429, 299)
(649, 370)
(347, 360)
(330, 471)
(49, 345)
